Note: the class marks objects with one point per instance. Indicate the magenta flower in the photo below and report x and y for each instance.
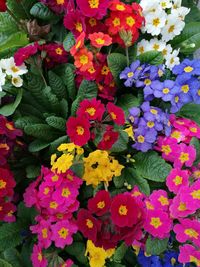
(45, 191)
(62, 233)
(159, 199)
(189, 254)
(37, 258)
(44, 233)
(65, 194)
(168, 147)
(176, 179)
(52, 178)
(186, 156)
(158, 223)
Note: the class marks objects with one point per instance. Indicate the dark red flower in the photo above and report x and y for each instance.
(116, 113)
(88, 225)
(7, 182)
(55, 53)
(100, 203)
(8, 129)
(58, 6)
(78, 129)
(108, 140)
(125, 212)
(3, 6)
(24, 53)
(75, 22)
(93, 109)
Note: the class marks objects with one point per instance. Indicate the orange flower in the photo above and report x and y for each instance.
(99, 39)
(83, 59)
(78, 45)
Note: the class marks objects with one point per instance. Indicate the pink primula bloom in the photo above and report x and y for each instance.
(71, 177)
(193, 195)
(30, 195)
(188, 230)
(168, 147)
(186, 156)
(9, 216)
(149, 205)
(176, 179)
(93, 8)
(62, 233)
(52, 178)
(52, 206)
(25, 53)
(189, 254)
(178, 135)
(45, 191)
(75, 22)
(68, 263)
(137, 194)
(44, 233)
(37, 258)
(158, 223)
(159, 199)
(65, 194)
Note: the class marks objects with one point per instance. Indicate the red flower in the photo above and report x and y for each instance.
(100, 203)
(58, 6)
(116, 113)
(83, 59)
(7, 183)
(3, 6)
(78, 130)
(79, 44)
(93, 8)
(94, 25)
(24, 53)
(125, 210)
(9, 129)
(116, 5)
(75, 22)
(55, 52)
(93, 109)
(108, 140)
(99, 39)
(88, 225)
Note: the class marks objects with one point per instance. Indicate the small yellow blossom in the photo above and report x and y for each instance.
(63, 163)
(129, 131)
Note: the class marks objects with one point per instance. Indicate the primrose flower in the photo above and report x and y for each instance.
(100, 39)
(116, 113)
(37, 258)
(93, 8)
(159, 199)
(187, 68)
(189, 254)
(176, 179)
(100, 203)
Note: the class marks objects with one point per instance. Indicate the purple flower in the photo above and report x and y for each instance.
(165, 90)
(150, 73)
(130, 73)
(187, 68)
(177, 102)
(134, 114)
(195, 91)
(185, 87)
(158, 126)
(144, 139)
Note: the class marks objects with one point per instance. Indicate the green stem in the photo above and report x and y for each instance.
(127, 56)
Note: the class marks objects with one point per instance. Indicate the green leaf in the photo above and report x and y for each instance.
(55, 261)
(69, 41)
(13, 42)
(189, 40)
(151, 166)
(21, 8)
(41, 11)
(155, 246)
(57, 123)
(55, 144)
(128, 101)
(119, 181)
(196, 144)
(120, 253)
(191, 111)
(4, 263)
(87, 89)
(41, 131)
(13, 257)
(121, 144)
(26, 215)
(151, 57)
(117, 63)
(69, 82)
(22, 122)
(10, 236)
(77, 248)
(75, 105)
(9, 109)
(32, 171)
(64, 108)
(78, 169)
(37, 145)
(57, 85)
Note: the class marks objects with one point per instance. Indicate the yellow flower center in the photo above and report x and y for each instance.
(78, 44)
(163, 200)
(136, 194)
(101, 205)
(198, 92)
(63, 232)
(4, 146)
(156, 22)
(39, 256)
(66, 192)
(105, 70)
(147, 81)
(156, 222)
(79, 27)
(196, 194)
(166, 91)
(89, 224)
(171, 28)
(166, 149)
(123, 210)
(188, 69)
(150, 124)
(185, 88)
(156, 46)
(44, 233)
(100, 41)
(53, 205)
(46, 190)
(93, 22)
(120, 7)
(113, 115)
(91, 111)
(173, 261)
(59, 51)
(9, 126)
(154, 111)
(84, 59)
(60, 2)
(182, 206)
(91, 70)
(14, 69)
(130, 74)
(141, 139)
(93, 3)
(2, 184)
(54, 178)
(141, 49)
(193, 129)
(191, 233)
(116, 22)
(194, 260)
(130, 21)
(184, 157)
(149, 205)
(178, 180)
(176, 99)
(176, 134)
(80, 130)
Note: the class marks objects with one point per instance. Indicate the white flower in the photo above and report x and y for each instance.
(172, 59)
(143, 46)
(155, 22)
(11, 69)
(180, 12)
(2, 79)
(17, 81)
(157, 45)
(167, 51)
(166, 4)
(173, 27)
(177, 3)
(149, 6)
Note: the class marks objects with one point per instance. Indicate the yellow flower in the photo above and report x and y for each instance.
(129, 131)
(53, 159)
(69, 147)
(63, 163)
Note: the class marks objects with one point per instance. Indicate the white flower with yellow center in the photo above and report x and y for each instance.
(155, 22)
(167, 51)
(11, 69)
(166, 4)
(17, 81)
(149, 6)
(172, 59)
(2, 79)
(177, 3)
(180, 12)
(174, 26)
(143, 46)
(157, 45)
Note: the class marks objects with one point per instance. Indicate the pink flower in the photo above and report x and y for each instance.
(136, 193)
(52, 206)
(116, 113)
(93, 8)
(44, 233)
(71, 177)
(159, 199)
(189, 254)
(65, 194)
(169, 148)
(186, 156)
(68, 263)
(192, 196)
(179, 136)
(188, 230)
(176, 179)
(158, 223)
(149, 205)
(75, 22)
(52, 178)
(62, 233)
(24, 53)
(38, 260)
(30, 195)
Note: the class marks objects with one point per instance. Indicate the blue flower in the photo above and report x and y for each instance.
(151, 261)
(187, 68)
(195, 91)
(177, 102)
(144, 139)
(134, 114)
(185, 85)
(130, 74)
(171, 260)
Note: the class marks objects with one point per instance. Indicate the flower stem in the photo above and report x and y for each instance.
(127, 56)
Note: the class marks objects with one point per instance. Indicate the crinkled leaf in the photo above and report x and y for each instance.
(151, 57)
(128, 101)
(155, 246)
(69, 41)
(41, 11)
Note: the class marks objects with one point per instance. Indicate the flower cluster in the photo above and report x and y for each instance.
(54, 196)
(10, 71)
(8, 135)
(91, 119)
(109, 220)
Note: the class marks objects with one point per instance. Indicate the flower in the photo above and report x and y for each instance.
(75, 22)
(83, 59)
(131, 73)
(78, 45)
(100, 203)
(188, 230)
(68, 263)
(186, 156)
(62, 233)
(7, 182)
(58, 6)
(11, 69)
(93, 109)
(63, 163)
(189, 254)
(3, 6)
(109, 139)
(44, 233)
(116, 113)
(176, 179)
(78, 130)
(187, 68)
(93, 8)
(24, 53)
(159, 199)
(2, 79)
(125, 211)
(150, 261)
(158, 223)
(17, 81)
(87, 224)
(144, 139)
(37, 258)
(155, 21)
(99, 39)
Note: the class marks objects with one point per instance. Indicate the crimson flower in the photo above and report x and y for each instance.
(100, 204)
